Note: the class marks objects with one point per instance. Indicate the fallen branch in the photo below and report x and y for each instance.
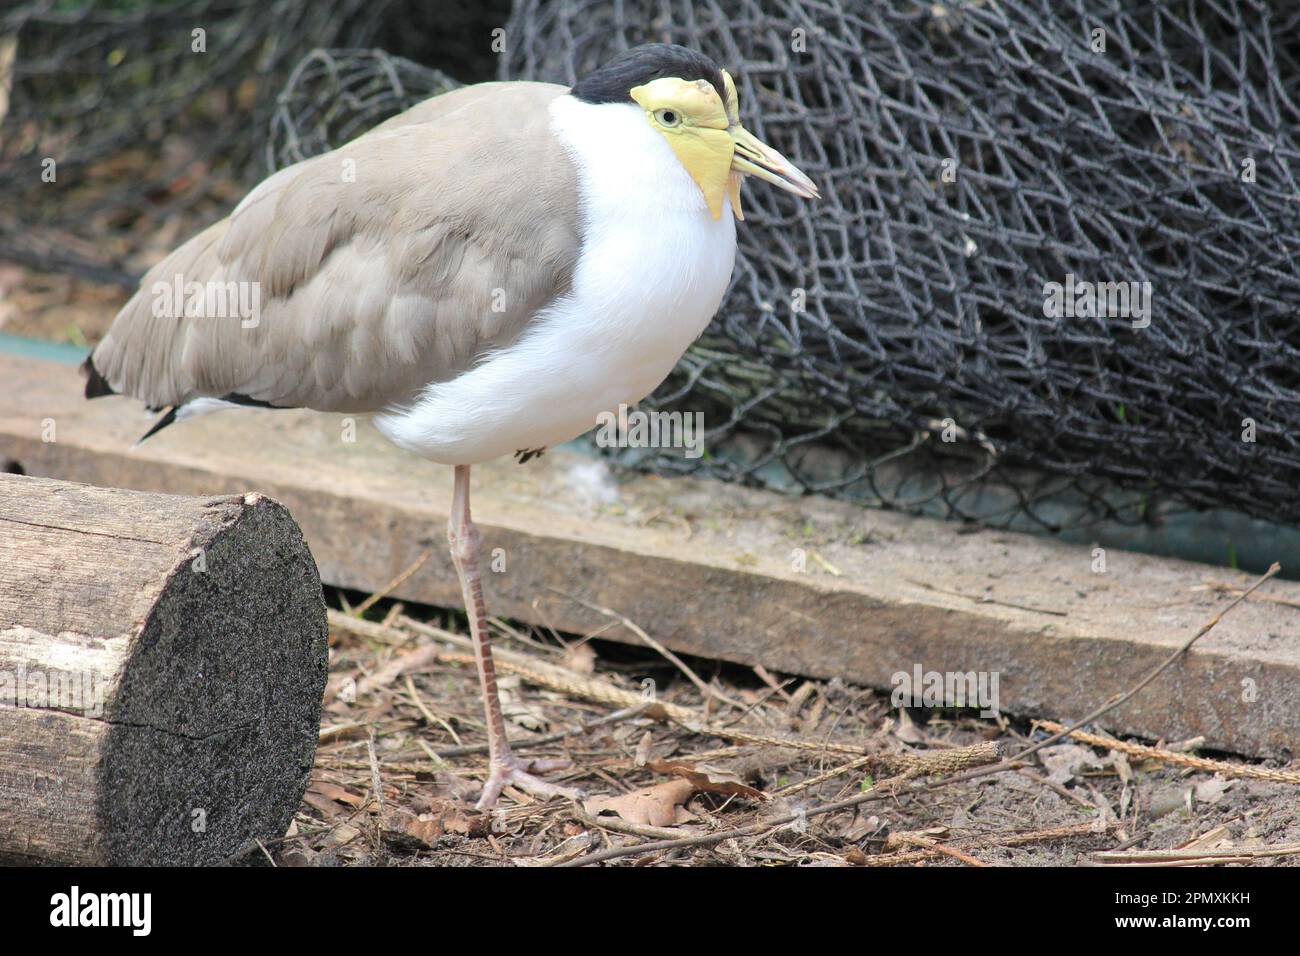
(658, 648)
(1168, 662)
(995, 840)
(1236, 854)
(391, 586)
(1181, 759)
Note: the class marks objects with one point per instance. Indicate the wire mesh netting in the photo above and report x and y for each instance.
(100, 97)
(333, 96)
(154, 113)
(898, 341)
(970, 154)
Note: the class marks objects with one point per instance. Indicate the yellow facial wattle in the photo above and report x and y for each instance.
(693, 119)
(704, 132)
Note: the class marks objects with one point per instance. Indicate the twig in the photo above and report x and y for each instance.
(1056, 788)
(586, 728)
(433, 757)
(937, 847)
(984, 599)
(662, 651)
(923, 763)
(1239, 854)
(826, 565)
(619, 825)
(1223, 587)
(1119, 699)
(266, 853)
(992, 840)
(375, 784)
(703, 839)
(1183, 760)
(391, 586)
(811, 782)
(959, 855)
(428, 714)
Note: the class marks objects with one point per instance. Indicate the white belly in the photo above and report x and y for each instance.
(653, 270)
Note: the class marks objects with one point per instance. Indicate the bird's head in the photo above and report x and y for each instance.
(693, 104)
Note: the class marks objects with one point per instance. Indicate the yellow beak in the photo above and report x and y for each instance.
(713, 147)
(752, 157)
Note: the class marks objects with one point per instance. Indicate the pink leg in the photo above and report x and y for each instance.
(505, 769)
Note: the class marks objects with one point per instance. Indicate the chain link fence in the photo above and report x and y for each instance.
(969, 155)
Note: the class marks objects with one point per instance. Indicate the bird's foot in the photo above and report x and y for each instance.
(510, 771)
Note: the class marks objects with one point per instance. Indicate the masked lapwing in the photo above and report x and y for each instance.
(486, 273)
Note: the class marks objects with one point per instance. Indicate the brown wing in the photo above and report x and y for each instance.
(391, 262)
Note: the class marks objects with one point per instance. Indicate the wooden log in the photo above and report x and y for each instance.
(162, 665)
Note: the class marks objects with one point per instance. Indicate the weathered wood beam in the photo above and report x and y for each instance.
(800, 585)
(162, 662)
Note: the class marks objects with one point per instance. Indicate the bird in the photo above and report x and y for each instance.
(484, 274)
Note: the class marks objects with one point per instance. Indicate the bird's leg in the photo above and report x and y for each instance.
(505, 769)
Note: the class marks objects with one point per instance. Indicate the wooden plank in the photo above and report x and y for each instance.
(717, 570)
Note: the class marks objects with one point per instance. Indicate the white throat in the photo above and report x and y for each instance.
(652, 272)
(619, 153)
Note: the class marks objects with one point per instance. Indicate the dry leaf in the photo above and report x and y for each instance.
(327, 807)
(861, 828)
(334, 792)
(341, 835)
(1119, 760)
(404, 830)
(1212, 790)
(708, 778)
(475, 824)
(580, 658)
(907, 731)
(516, 709)
(642, 755)
(1065, 761)
(659, 806)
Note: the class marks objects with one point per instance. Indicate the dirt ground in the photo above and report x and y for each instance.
(401, 759)
(55, 307)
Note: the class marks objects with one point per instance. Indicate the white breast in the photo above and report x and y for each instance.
(653, 269)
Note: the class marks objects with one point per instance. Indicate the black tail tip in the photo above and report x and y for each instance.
(161, 423)
(96, 386)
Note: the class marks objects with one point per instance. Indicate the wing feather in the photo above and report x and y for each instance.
(394, 261)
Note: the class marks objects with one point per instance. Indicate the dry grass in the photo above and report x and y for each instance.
(732, 766)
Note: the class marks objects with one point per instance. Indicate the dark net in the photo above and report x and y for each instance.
(142, 118)
(155, 112)
(1171, 157)
(890, 342)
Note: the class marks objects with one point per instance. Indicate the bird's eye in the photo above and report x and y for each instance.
(668, 117)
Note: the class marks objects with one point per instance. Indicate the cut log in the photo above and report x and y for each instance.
(162, 665)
